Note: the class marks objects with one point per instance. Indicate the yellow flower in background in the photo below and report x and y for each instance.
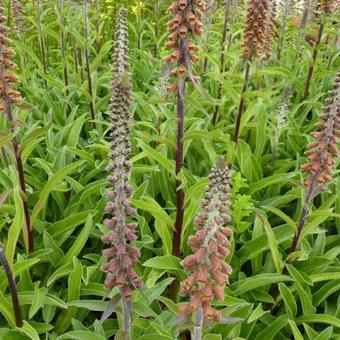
(138, 7)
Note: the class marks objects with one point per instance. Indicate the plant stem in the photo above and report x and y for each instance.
(283, 29)
(156, 27)
(88, 68)
(241, 106)
(222, 57)
(12, 288)
(127, 316)
(20, 170)
(62, 43)
(304, 213)
(312, 66)
(179, 164)
(198, 327)
(41, 42)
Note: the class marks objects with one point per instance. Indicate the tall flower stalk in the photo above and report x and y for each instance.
(122, 255)
(88, 66)
(222, 56)
(63, 43)
(321, 154)
(326, 7)
(254, 45)
(285, 15)
(16, 10)
(186, 23)
(208, 271)
(41, 38)
(12, 287)
(10, 97)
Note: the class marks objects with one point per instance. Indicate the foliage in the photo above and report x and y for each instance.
(276, 294)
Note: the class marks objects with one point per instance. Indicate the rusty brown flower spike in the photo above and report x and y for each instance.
(270, 29)
(209, 273)
(255, 29)
(185, 23)
(121, 255)
(16, 10)
(10, 96)
(323, 152)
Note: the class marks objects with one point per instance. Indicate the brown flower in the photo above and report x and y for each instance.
(122, 255)
(255, 29)
(209, 273)
(323, 152)
(7, 78)
(270, 29)
(185, 24)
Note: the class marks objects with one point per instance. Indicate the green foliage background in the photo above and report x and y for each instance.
(60, 285)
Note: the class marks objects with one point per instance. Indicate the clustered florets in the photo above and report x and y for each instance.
(323, 152)
(16, 10)
(255, 29)
(187, 21)
(209, 273)
(270, 29)
(122, 255)
(7, 93)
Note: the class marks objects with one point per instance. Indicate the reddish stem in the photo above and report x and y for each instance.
(12, 288)
(242, 102)
(179, 164)
(312, 66)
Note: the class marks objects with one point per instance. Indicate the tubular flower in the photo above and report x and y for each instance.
(122, 255)
(186, 22)
(270, 29)
(208, 271)
(7, 78)
(16, 10)
(323, 152)
(255, 29)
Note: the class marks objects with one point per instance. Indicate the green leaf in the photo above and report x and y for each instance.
(288, 299)
(303, 291)
(38, 300)
(255, 281)
(319, 318)
(79, 243)
(81, 335)
(263, 183)
(168, 262)
(257, 313)
(270, 331)
(158, 157)
(28, 330)
(149, 205)
(6, 310)
(283, 216)
(297, 334)
(14, 230)
(272, 241)
(50, 186)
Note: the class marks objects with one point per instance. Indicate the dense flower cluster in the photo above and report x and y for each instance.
(270, 28)
(16, 10)
(323, 152)
(209, 273)
(186, 21)
(122, 255)
(255, 29)
(7, 93)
